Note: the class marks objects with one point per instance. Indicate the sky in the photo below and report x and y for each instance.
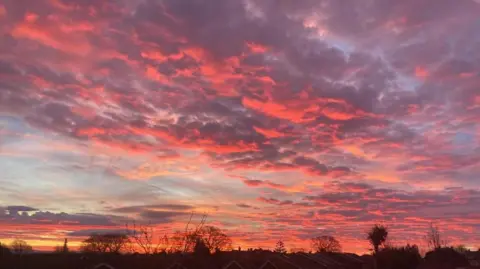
(279, 119)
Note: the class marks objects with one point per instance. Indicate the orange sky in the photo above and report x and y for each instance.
(279, 121)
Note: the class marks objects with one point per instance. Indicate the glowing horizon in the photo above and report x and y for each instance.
(279, 119)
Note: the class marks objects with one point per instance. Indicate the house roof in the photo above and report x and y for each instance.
(103, 266)
(233, 265)
(346, 258)
(305, 262)
(328, 259)
(268, 265)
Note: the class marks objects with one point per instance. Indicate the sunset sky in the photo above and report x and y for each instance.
(279, 119)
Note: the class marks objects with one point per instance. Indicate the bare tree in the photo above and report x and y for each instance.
(144, 237)
(325, 243)
(20, 247)
(179, 242)
(106, 243)
(214, 238)
(62, 249)
(182, 241)
(433, 237)
(211, 237)
(190, 238)
(280, 247)
(200, 248)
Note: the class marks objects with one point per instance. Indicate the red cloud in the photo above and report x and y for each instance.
(259, 92)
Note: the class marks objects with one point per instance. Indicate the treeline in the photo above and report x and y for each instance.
(204, 239)
(440, 254)
(18, 247)
(142, 239)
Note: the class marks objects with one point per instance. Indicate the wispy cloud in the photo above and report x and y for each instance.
(327, 108)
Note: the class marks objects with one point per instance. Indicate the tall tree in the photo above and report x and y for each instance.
(280, 247)
(325, 243)
(20, 247)
(377, 236)
(62, 249)
(433, 237)
(106, 243)
(65, 246)
(144, 237)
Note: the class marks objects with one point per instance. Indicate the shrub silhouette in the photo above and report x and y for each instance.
(201, 248)
(446, 257)
(407, 257)
(325, 243)
(4, 250)
(20, 247)
(105, 243)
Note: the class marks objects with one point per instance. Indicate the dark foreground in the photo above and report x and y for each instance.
(230, 260)
(223, 260)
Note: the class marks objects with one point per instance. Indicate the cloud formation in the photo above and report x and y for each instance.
(359, 111)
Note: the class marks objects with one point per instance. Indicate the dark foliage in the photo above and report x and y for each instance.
(20, 247)
(201, 248)
(106, 243)
(4, 250)
(280, 247)
(407, 257)
(445, 258)
(325, 243)
(434, 238)
(377, 236)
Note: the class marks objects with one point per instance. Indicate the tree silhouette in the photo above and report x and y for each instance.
(4, 250)
(280, 247)
(213, 238)
(65, 246)
(62, 249)
(399, 258)
(445, 258)
(461, 249)
(144, 236)
(106, 243)
(20, 247)
(377, 236)
(325, 243)
(201, 248)
(178, 242)
(433, 237)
